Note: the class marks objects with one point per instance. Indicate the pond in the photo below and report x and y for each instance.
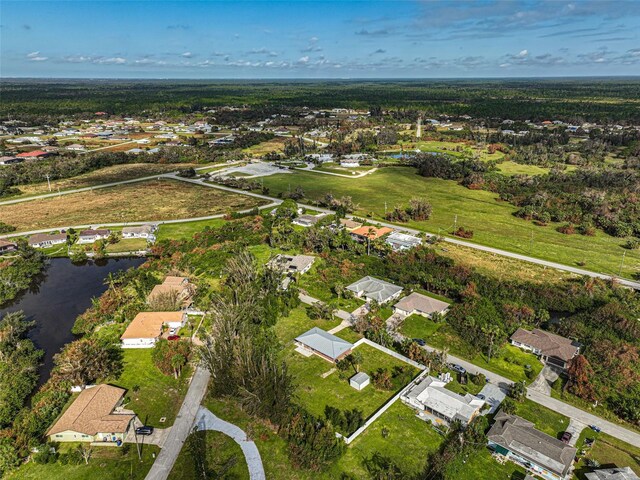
(55, 299)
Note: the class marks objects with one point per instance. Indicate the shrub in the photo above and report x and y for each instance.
(567, 229)
(463, 233)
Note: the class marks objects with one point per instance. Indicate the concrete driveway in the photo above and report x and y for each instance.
(575, 428)
(158, 437)
(493, 395)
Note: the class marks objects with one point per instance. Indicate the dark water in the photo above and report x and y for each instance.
(58, 297)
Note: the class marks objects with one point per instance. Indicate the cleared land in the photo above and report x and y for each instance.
(491, 220)
(111, 174)
(606, 450)
(152, 200)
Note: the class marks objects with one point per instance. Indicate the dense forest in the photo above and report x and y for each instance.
(602, 100)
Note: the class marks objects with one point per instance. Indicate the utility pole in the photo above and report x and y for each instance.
(385, 208)
(455, 222)
(621, 264)
(48, 181)
(531, 243)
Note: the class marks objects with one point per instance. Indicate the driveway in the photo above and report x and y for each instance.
(575, 428)
(206, 420)
(544, 380)
(158, 437)
(181, 429)
(493, 395)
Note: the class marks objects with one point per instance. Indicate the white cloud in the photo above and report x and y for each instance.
(187, 54)
(36, 57)
(523, 53)
(304, 59)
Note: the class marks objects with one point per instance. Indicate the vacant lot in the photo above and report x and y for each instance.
(111, 174)
(491, 220)
(152, 200)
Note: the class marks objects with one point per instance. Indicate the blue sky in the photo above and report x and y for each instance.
(308, 39)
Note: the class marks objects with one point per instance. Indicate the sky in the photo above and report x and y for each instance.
(312, 39)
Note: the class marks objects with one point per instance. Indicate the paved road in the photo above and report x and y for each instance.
(182, 426)
(208, 421)
(497, 251)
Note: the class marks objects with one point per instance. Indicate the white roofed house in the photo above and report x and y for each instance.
(418, 304)
(42, 240)
(430, 397)
(143, 231)
(374, 289)
(402, 241)
(306, 220)
(292, 264)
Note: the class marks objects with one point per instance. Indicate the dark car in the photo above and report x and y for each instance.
(480, 396)
(566, 437)
(420, 341)
(173, 337)
(595, 428)
(458, 368)
(144, 430)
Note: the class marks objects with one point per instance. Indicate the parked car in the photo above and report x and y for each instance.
(458, 368)
(480, 396)
(172, 331)
(420, 341)
(173, 337)
(595, 428)
(566, 437)
(144, 430)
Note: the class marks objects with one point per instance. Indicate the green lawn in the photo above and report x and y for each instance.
(546, 420)
(491, 220)
(322, 290)
(408, 441)
(507, 361)
(512, 168)
(127, 245)
(349, 334)
(608, 451)
(157, 395)
(109, 462)
(299, 322)
(481, 465)
(214, 452)
(185, 230)
(315, 392)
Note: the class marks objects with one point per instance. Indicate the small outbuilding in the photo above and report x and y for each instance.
(359, 381)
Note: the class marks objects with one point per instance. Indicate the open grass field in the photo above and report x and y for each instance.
(152, 395)
(213, 452)
(127, 245)
(111, 174)
(185, 230)
(274, 145)
(507, 361)
(606, 450)
(512, 168)
(315, 392)
(546, 420)
(121, 465)
(151, 200)
(491, 220)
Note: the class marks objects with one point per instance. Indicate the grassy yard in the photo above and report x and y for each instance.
(512, 168)
(121, 464)
(606, 450)
(115, 173)
(213, 451)
(481, 465)
(151, 394)
(274, 145)
(127, 245)
(299, 322)
(152, 200)
(507, 361)
(491, 220)
(404, 433)
(320, 289)
(315, 392)
(186, 230)
(546, 420)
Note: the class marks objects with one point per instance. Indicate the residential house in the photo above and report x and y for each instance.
(76, 147)
(34, 154)
(171, 285)
(42, 240)
(616, 473)
(374, 289)
(402, 241)
(93, 417)
(91, 235)
(353, 160)
(349, 225)
(7, 246)
(292, 264)
(324, 344)
(7, 160)
(430, 398)
(554, 350)
(306, 220)
(517, 439)
(418, 304)
(146, 328)
(369, 232)
(143, 231)
(319, 157)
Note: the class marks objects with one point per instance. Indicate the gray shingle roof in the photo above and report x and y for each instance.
(519, 436)
(374, 289)
(325, 343)
(421, 303)
(549, 344)
(616, 473)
